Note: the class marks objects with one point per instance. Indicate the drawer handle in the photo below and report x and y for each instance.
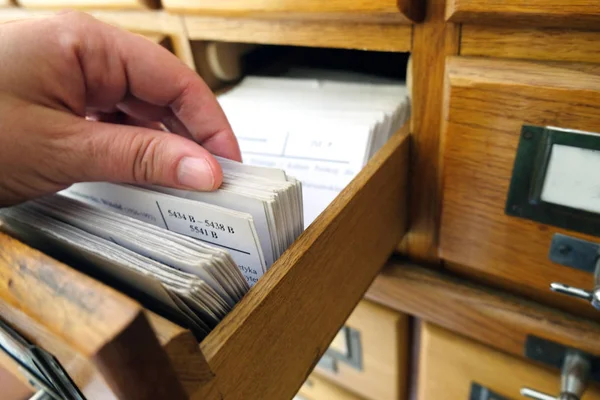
(582, 255)
(573, 381)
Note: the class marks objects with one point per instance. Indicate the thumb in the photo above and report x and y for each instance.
(137, 155)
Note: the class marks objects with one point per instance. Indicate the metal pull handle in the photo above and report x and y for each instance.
(573, 382)
(592, 296)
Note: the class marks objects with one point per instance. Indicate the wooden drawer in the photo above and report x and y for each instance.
(402, 11)
(451, 367)
(555, 13)
(369, 355)
(91, 4)
(318, 388)
(272, 338)
(488, 102)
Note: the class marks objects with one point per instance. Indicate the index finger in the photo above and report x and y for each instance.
(154, 75)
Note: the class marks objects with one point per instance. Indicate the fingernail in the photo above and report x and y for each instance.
(195, 173)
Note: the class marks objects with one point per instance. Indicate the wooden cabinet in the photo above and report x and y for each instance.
(403, 11)
(488, 103)
(564, 13)
(377, 338)
(453, 367)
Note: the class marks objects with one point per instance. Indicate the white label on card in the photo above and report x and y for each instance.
(233, 231)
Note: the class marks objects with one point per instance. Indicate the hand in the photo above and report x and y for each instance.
(64, 82)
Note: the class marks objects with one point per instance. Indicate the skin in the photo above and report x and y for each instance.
(82, 101)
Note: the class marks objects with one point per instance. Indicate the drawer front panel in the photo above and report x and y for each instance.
(489, 102)
(319, 388)
(91, 4)
(407, 11)
(379, 371)
(453, 367)
(555, 13)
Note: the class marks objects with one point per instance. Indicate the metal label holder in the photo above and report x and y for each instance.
(529, 171)
(352, 356)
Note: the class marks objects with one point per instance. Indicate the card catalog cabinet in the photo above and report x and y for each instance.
(369, 355)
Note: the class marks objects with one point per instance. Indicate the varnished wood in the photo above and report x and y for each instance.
(87, 326)
(397, 11)
(90, 4)
(318, 388)
(549, 13)
(489, 101)
(433, 41)
(496, 318)
(384, 350)
(530, 43)
(277, 333)
(366, 36)
(450, 363)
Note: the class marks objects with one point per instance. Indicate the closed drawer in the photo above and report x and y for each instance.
(489, 103)
(404, 11)
(563, 13)
(91, 4)
(369, 355)
(318, 388)
(272, 338)
(453, 367)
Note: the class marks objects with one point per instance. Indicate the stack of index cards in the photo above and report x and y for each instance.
(320, 126)
(189, 256)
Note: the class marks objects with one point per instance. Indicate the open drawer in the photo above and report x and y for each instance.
(402, 11)
(265, 348)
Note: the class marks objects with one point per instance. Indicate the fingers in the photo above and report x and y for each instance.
(116, 63)
(132, 154)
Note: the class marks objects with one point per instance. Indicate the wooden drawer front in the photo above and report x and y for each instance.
(91, 4)
(450, 364)
(402, 11)
(555, 13)
(319, 388)
(272, 338)
(488, 103)
(383, 339)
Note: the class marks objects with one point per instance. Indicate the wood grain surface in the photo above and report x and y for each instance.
(496, 318)
(489, 101)
(433, 41)
(277, 333)
(384, 350)
(397, 11)
(90, 4)
(450, 363)
(549, 13)
(86, 325)
(530, 43)
(365, 36)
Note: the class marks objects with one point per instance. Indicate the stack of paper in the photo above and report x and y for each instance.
(321, 127)
(146, 241)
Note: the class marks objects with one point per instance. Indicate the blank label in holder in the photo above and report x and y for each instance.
(573, 178)
(556, 179)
